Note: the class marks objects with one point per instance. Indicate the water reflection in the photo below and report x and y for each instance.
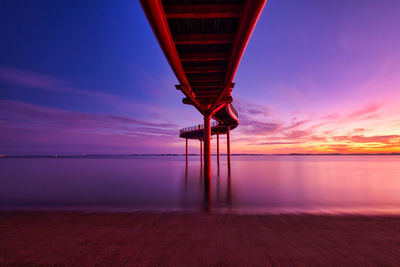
(221, 197)
(207, 194)
(255, 184)
(301, 184)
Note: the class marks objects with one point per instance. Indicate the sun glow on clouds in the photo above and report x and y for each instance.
(360, 117)
(372, 128)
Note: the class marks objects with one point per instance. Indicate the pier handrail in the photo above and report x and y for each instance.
(197, 127)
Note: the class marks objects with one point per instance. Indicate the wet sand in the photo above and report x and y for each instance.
(190, 239)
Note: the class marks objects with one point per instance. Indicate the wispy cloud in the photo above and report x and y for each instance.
(29, 115)
(256, 127)
(295, 123)
(297, 134)
(25, 125)
(259, 124)
(278, 143)
(366, 110)
(247, 107)
(40, 81)
(384, 139)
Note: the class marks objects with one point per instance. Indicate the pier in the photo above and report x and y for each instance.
(203, 43)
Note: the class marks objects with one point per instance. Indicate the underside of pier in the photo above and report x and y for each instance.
(204, 41)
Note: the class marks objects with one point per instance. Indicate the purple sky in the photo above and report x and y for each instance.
(317, 76)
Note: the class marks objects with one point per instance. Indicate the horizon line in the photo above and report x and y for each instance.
(193, 154)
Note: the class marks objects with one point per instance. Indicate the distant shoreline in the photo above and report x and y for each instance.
(169, 155)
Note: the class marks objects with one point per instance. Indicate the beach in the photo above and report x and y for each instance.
(70, 238)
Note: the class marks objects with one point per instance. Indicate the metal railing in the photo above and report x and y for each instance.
(201, 126)
(197, 127)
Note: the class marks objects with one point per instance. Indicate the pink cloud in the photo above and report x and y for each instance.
(295, 123)
(341, 138)
(25, 127)
(257, 127)
(245, 107)
(317, 138)
(297, 134)
(332, 116)
(384, 139)
(367, 109)
(278, 143)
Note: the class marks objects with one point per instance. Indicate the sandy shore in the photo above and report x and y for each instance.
(182, 239)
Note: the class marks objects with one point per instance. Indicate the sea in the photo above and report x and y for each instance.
(332, 184)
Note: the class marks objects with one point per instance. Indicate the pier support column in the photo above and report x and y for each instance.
(207, 146)
(218, 149)
(201, 152)
(186, 151)
(228, 148)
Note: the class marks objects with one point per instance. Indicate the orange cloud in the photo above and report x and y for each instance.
(369, 129)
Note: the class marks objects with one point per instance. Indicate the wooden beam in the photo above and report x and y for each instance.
(226, 100)
(187, 101)
(207, 78)
(222, 96)
(205, 83)
(204, 92)
(203, 11)
(218, 109)
(213, 96)
(211, 38)
(207, 96)
(207, 88)
(210, 56)
(204, 69)
(213, 93)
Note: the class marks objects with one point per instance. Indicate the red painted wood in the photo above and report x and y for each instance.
(204, 69)
(228, 147)
(196, 11)
(210, 56)
(207, 146)
(218, 38)
(217, 149)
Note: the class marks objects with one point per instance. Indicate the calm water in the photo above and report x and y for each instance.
(361, 184)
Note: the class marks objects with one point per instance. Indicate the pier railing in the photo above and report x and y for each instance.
(196, 127)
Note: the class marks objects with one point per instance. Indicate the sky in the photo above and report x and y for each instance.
(90, 78)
